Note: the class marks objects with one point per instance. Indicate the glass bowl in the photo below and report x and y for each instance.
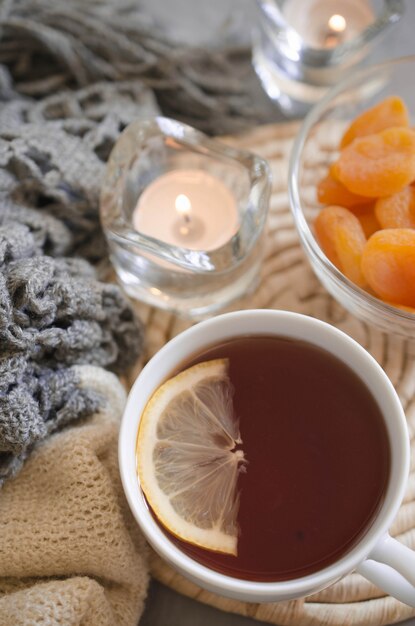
(315, 149)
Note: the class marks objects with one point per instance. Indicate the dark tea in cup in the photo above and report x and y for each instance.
(317, 458)
(323, 439)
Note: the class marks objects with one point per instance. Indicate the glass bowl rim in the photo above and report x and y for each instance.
(375, 305)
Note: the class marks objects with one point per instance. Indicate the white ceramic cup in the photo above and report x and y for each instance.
(387, 563)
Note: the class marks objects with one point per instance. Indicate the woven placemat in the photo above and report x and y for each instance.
(288, 283)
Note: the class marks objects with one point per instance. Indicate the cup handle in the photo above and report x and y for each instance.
(391, 567)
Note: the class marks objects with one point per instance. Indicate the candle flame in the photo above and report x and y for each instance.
(337, 23)
(183, 205)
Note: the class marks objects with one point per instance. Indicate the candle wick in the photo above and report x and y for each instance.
(186, 218)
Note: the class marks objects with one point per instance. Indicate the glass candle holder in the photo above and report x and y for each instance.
(302, 47)
(184, 217)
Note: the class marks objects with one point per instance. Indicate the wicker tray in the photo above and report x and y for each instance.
(288, 283)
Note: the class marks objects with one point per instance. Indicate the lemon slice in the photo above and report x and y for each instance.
(186, 459)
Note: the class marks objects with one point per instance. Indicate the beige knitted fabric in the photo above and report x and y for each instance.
(70, 553)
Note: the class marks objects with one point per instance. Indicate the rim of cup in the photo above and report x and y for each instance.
(279, 323)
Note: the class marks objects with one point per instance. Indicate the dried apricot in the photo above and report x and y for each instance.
(378, 165)
(368, 220)
(390, 112)
(342, 239)
(388, 264)
(397, 211)
(331, 191)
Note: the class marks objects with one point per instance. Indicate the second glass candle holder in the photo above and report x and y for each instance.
(303, 47)
(184, 217)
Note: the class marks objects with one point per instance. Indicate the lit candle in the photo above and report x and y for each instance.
(336, 30)
(327, 23)
(187, 208)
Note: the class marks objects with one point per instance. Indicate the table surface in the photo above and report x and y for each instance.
(200, 22)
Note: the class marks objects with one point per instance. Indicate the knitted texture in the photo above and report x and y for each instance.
(35, 401)
(53, 311)
(51, 45)
(53, 314)
(56, 163)
(70, 553)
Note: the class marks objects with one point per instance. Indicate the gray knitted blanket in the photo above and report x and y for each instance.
(73, 74)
